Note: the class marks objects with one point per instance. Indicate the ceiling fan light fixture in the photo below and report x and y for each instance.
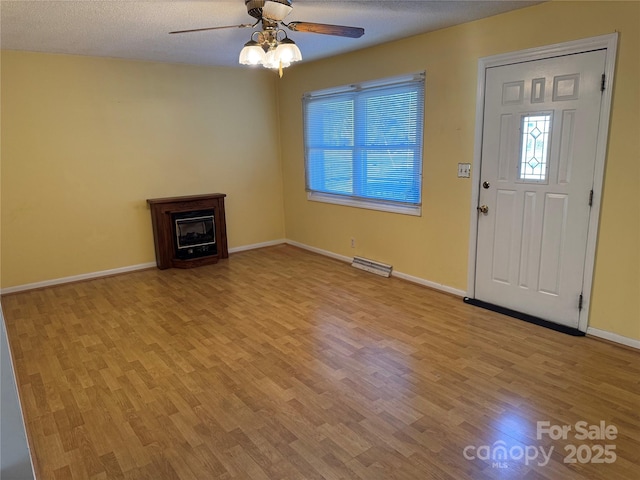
(270, 52)
(265, 48)
(252, 54)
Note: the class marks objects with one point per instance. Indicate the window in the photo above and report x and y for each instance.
(363, 144)
(534, 147)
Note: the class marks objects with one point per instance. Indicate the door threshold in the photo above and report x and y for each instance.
(526, 317)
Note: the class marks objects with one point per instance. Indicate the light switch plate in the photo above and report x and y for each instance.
(464, 170)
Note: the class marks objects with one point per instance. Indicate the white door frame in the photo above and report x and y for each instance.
(608, 42)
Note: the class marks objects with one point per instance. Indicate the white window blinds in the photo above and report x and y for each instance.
(365, 141)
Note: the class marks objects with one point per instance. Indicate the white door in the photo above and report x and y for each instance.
(537, 169)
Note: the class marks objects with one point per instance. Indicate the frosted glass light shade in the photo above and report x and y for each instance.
(272, 60)
(252, 54)
(288, 52)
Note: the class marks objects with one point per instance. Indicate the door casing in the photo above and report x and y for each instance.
(607, 42)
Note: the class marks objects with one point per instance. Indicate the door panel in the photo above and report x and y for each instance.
(529, 255)
(554, 224)
(538, 159)
(503, 238)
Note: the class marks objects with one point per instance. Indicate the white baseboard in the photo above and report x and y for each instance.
(326, 253)
(116, 271)
(253, 246)
(77, 278)
(614, 337)
(394, 273)
(430, 284)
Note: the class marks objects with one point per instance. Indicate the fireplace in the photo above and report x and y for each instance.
(195, 233)
(189, 231)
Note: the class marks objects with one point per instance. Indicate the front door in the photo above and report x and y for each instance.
(540, 130)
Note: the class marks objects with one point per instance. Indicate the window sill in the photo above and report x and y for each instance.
(415, 211)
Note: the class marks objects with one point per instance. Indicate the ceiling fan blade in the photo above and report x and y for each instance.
(242, 25)
(339, 30)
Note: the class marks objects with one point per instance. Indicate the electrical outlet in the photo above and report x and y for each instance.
(353, 243)
(464, 170)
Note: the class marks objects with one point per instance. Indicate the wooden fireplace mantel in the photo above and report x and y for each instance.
(163, 229)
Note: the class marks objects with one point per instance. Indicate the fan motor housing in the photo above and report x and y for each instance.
(254, 7)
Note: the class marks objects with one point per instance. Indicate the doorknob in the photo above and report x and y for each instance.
(486, 185)
(483, 209)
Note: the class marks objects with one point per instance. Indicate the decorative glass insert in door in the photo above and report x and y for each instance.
(534, 148)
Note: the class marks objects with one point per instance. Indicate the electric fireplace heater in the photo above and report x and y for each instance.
(189, 231)
(195, 234)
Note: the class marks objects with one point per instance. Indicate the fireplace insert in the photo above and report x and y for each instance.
(195, 234)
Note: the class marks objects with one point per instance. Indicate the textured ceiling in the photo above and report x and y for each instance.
(139, 29)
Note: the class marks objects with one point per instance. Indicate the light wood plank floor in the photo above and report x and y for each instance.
(282, 364)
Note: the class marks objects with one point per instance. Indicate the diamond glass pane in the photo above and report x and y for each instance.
(535, 147)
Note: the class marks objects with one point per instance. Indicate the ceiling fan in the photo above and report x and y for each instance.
(270, 46)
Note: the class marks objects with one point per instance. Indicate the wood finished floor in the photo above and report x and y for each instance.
(282, 364)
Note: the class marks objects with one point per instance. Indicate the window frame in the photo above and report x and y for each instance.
(353, 200)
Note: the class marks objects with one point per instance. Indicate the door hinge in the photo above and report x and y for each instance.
(580, 302)
(603, 83)
(591, 198)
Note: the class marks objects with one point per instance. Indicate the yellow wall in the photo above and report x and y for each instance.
(85, 141)
(434, 246)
